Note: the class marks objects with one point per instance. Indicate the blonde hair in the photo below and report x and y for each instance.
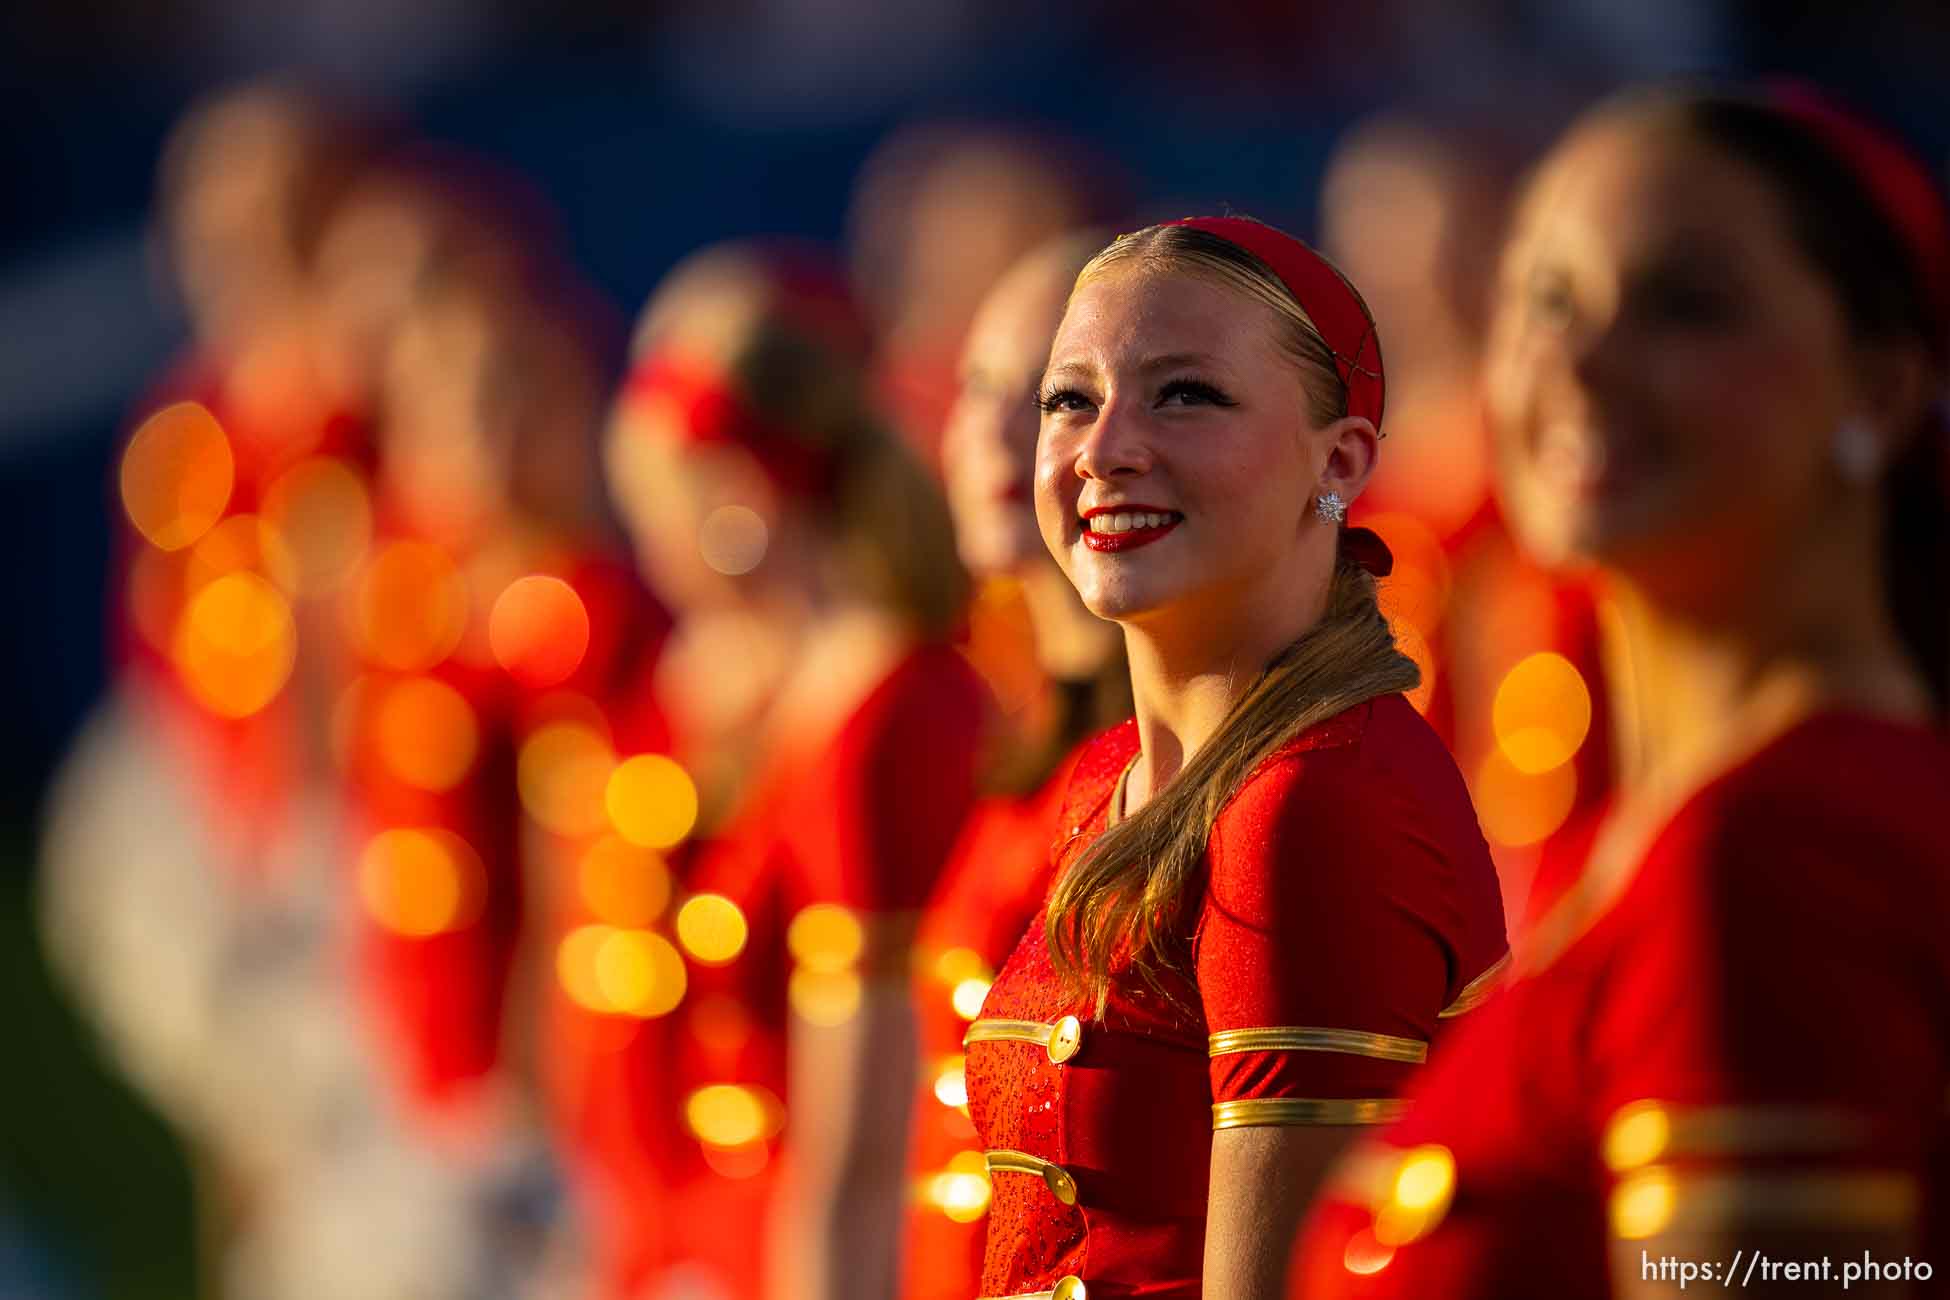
(1122, 905)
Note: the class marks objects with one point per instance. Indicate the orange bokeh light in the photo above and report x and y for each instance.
(321, 508)
(177, 475)
(1518, 808)
(421, 882)
(623, 883)
(240, 544)
(409, 607)
(539, 630)
(235, 645)
(562, 774)
(426, 733)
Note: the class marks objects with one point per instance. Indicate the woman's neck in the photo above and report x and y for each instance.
(1699, 681)
(1189, 670)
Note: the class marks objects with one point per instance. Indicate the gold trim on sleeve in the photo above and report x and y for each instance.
(1643, 1132)
(1062, 1039)
(1477, 990)
(1658, 1199)
(1054, 1176)
(1299, 1038)
(1069, 1288)
(1264, 1112)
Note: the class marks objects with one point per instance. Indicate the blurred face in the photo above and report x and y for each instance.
(989, 444)
(1666, 369)
(698, 517)
(1177, 463)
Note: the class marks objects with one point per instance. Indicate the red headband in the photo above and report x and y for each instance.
(1326, 296)
(711, 412)
(1336, 311)
(1896, 183)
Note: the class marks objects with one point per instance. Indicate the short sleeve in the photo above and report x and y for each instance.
(1772, 1055)
(1332, 938)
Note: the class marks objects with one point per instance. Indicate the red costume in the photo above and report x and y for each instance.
(1744, 1022)
(1349, 907)
(676, 1118)
(992, 889)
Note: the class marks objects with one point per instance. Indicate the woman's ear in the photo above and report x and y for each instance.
(1353, 447)
(1898, 383)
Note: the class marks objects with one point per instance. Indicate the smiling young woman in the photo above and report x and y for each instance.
(1721, 332)
(1270, 888)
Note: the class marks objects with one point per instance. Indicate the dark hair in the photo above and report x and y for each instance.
(1876, 276)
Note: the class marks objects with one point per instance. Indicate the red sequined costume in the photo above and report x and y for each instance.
(1350, 906)
(1743, 1026)
(993, 887)
(675, 1118)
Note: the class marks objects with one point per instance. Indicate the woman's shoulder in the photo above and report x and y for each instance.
(1088, 773)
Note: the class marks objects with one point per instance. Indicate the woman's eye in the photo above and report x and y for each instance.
(1061, 399)
(1192, 392)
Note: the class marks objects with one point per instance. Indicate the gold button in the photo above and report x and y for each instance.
(1061, 1185)
(1065, 1037)
(1070, 1288)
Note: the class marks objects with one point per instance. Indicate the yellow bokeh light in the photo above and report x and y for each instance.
(1518, 808)
(177, 475)
(1426, 1178)
(732, 1115)
(969, 996)
(651, 801)
(409, 607)
(826, 937)
(1365, 1255)
(321, 508)
(240, 544)
(1541, 713)
(640, 973)
(961, 1194)
(824, 997)
(575, 966)
(957, 964)
(623, 883)
(951, 1082)
(426, 733)
(1643, 1205)
(1637, 1135)
(711, 928)
(562, 773)
(236, 644)
(421, 882)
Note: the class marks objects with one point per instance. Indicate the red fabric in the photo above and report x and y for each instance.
(1781, 944)
(1353, 849)
(438, 1002)
(994, 885)
(1330, 302)
(864, 820)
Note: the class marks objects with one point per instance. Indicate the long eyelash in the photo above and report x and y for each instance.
(1197, 388)
(1050, 402)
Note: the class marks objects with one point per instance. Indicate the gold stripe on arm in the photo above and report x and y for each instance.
(1478, 989)
(1659, 1199)
(1649, 1131)
(1268, 1112)
(1300, 1038)
(1008, 1031)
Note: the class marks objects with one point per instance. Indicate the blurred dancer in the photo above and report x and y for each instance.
(1270, 886)
(747, 1130)
(939, 213)
(1062, 669)
(1719, 345)
(1508, 651)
